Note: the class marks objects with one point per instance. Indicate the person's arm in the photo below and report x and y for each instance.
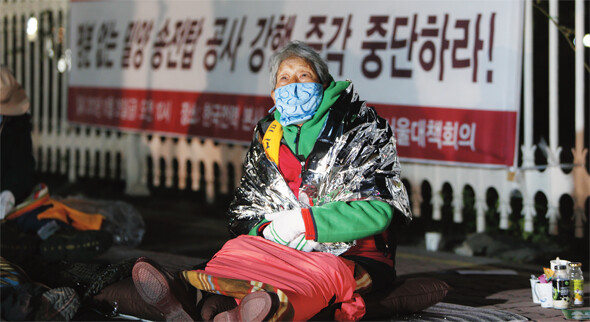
(333, 222)
(258, 228)
(17, 172)
(250, 204)
(243, 217)
(346, 221)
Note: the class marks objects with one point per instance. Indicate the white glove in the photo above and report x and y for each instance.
(284, 226)
(302, 244)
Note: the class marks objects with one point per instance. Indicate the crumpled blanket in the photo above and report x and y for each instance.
(355, 158)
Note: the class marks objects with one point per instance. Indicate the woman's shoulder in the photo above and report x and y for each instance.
(264, 123)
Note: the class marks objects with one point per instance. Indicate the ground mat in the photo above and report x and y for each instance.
(454, 312)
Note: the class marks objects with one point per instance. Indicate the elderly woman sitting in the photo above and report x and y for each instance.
(313, 216)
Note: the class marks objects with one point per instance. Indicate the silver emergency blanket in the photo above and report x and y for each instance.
(360, 163)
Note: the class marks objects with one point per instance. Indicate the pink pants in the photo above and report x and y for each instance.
(309, 280)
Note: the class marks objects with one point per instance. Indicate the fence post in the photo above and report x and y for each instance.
(457, 206)
(529, 212)
(134, 163)
(504, 210)
(416, 199)
(480, 215)
(579, 173)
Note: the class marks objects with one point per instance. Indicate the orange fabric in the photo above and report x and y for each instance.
(37, 203)
(77, 219)
(38, 197)
(309, 280)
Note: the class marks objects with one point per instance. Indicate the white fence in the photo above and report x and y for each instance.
(545, 172)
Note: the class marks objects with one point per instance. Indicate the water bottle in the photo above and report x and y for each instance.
(576, 284)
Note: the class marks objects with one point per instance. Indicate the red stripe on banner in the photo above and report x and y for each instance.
(452, 135)
(429, 134)
(222, 116)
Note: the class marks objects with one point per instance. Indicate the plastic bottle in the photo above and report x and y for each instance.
(561, 288)
(576, 284)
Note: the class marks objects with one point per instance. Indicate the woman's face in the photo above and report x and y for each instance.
(294, 70)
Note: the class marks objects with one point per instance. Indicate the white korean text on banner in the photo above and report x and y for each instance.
(445, 74)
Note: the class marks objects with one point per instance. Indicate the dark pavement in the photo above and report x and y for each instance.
(184, 230)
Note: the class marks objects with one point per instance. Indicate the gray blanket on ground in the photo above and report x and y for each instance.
(454, 312)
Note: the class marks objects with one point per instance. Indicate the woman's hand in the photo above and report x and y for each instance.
(302, 244)
(285, 226)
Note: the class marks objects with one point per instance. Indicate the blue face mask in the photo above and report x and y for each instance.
(298, 102)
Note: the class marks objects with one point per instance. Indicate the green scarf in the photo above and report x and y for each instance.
(312, 128)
